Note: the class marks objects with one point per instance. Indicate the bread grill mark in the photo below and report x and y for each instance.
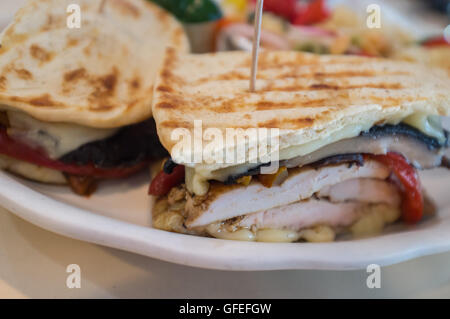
(338, 91)
(72, 42)
(240, 75)
(43, 101)
(103, 86)
(75, 75)
(163, 88)
(126, 8)
(19, 72)
(103, 89)
(324, 86)
(190, 102)
(226, 105)
(275, 123)
(24, 74)
(168, 77)
(173, 124)
(40, 54)
(165, 105)
(3, 83)
(333, 87)
(135, 84)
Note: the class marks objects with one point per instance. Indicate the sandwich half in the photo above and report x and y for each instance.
(75, 100)
(349, 134)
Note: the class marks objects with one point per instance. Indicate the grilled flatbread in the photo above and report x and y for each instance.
(100, 75)
(308, 97)
(75, 103)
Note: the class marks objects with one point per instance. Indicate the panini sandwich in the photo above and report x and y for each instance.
(75, 101)
(351, 134)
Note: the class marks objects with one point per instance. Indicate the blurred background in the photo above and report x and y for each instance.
(411, 30)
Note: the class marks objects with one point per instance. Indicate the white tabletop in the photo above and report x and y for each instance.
(33, 264)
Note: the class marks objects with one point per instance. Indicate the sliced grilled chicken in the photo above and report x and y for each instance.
(366, 190)
(225, 201)
(347, 201)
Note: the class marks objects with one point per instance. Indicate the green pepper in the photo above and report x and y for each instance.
(192, 11)
(312, 48)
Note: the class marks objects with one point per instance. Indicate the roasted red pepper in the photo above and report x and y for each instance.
(435, 42)
(412, 202)
(314, 12)
(163, 182)
(24, 152)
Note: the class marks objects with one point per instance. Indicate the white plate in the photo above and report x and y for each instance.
(119, 216)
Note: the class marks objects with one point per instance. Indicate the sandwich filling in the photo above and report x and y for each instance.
(358, 185)
(74, 154)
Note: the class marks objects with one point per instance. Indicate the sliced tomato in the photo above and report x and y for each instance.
(314, 12)
(284, 8)
(412, 202)
(163, 182)
(24, 152)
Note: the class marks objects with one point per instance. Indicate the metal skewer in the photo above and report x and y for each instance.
(256, 41)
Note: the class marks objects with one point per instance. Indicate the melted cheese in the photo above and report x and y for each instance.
(428, 124)
(56, 139)
(374, 220)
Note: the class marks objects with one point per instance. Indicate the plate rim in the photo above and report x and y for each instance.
(209, 253)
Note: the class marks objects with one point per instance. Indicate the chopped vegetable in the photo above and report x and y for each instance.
(82, 185)
(268, 180)
(192, 11)
(163, 182)
(435, 42)
(313, 48)
(314, 12)
(219, 26)
(244, 180)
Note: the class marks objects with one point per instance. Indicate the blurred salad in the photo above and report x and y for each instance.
(305, 26)
(433, 51)
(301, 25)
